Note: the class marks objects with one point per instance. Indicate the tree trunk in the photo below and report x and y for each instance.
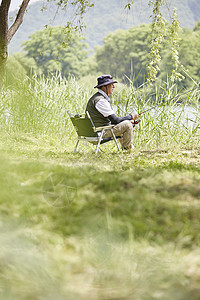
(4, 8)
(3, 59)
(6, 33)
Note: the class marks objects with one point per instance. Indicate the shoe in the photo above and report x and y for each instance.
(129, 148)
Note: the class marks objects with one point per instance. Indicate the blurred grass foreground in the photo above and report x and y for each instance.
(111, 226)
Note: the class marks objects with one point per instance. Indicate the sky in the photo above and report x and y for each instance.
(16, 3)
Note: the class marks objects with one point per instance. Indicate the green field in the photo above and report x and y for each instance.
(106, 226)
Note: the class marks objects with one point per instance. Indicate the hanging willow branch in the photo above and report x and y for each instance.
(158, 33)
(174, 28)
(161, 30)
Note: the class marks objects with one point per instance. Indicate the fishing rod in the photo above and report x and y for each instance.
(143, 112)
(165, 103)
(134, 122)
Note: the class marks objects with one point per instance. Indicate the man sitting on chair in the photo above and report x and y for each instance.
(102, 113)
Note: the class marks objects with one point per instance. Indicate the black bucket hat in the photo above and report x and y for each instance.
(104, 80)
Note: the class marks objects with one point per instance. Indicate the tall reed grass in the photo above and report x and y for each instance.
(40, 105)
(174, 120)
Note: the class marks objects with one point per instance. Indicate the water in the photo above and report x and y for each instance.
(187, 115)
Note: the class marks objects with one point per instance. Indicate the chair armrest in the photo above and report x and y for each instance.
(103, 127)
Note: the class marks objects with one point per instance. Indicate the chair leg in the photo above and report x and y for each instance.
(114, 137)
(76, 145)
(99, 142)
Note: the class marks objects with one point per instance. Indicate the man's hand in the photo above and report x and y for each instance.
(135, 116)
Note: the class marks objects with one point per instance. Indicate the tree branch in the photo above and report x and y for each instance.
(18, 21)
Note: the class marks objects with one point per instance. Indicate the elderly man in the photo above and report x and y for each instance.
(102, 113)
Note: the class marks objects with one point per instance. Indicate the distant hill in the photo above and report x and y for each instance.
(104, 17)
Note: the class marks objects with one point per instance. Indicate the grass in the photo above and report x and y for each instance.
(111, 226)
(130, 231)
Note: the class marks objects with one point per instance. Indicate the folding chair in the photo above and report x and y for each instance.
(86, 131)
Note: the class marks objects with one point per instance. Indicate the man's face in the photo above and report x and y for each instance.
(108, 89)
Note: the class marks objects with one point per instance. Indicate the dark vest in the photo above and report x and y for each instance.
(97, 118)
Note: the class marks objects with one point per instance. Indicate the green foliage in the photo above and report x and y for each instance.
(190, 55)
(129, 62)
(53, 50)
(35, 19)
(189, 49)
(125, 53)
(15, 72)
(79, 8)
(174, 30)
(197, 26)
(129, 4)
(158, 33)
(28, 63)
